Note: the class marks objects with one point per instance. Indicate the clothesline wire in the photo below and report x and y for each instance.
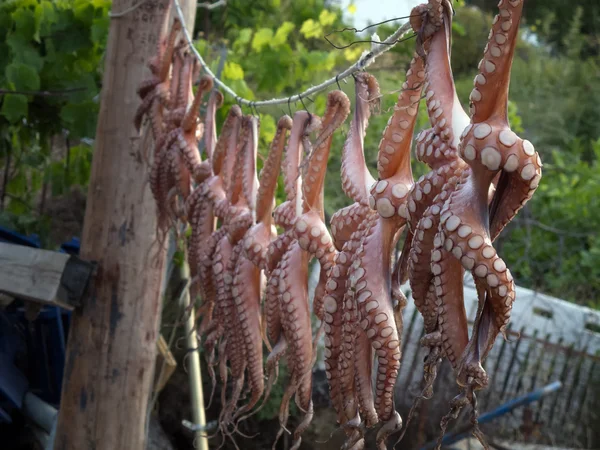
(365, 60)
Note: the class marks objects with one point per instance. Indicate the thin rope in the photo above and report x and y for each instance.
(127, 11)
(365, 60)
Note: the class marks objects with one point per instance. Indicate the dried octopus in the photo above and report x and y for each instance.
(481, 175)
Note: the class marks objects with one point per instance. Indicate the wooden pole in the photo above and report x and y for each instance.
(111, 351)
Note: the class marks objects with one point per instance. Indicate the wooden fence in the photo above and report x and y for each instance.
(531, 358)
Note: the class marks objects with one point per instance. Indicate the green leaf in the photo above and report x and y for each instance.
(14, 107)
(244, 36)
(326, 18)
(99, 30)
(24, 20)
(233, 71)
(24, 77)
(311, 29)
(80, 118)
(45, 17)
(24, 52)
(261, 39)
(267, 128)
(281, 35)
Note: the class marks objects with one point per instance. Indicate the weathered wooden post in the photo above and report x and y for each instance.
(112, 343)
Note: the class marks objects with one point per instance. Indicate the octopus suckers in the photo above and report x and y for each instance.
(452, 223)
(301, 226)
(469, 152)
(464, 231)
(512, 163)
(528, 172)
(330, 304)
(475, 242)
(385, 208)
(481, 271)
(499, 265)
(528, 148)
(482, 131)
(491, 158)
(373, 304)
(364, 296)
(381, 317)
(399, 190)
(488, 252)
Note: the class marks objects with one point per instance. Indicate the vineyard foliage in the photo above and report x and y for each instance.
(51, 61)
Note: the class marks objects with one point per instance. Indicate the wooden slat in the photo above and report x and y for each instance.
(43, 276)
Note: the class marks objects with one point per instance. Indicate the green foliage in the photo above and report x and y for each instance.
(554, 245)
(275, 48)
(50, 52)
(552, 20)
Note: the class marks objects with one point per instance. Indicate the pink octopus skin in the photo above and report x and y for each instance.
(284, 215)
(340, 322)
(258, 238)
(201, 212)
(467, 229)
(370, 275)
(215, 102)
(310, 229)
(154, 91)
(438, 148)
(292, 285)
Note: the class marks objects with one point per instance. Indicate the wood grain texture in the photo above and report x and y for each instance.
(111, 351)
(43, 276)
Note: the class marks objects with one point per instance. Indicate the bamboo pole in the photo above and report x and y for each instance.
(193, 366)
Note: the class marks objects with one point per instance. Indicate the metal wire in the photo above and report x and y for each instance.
(365, 60)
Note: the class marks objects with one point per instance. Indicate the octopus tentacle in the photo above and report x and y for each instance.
(222, 163)
(303, 124)
(246, 294)
(236, 350)
(375, 307)
(336, 112)
(215, 102)
(356, 178)
(249, 176)
(310, 229)
(188, 135)
(296, 327)
(159, 94)
(345, 221)
(346, 364)
(270, 171)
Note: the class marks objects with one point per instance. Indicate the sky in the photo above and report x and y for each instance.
(369, 11)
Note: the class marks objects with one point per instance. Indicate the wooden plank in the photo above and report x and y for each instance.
(166, 362)
(43, 276)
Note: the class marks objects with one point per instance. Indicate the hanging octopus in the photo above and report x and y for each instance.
(310, 229)
(236, 327)
(437, 147)
(346, 231)
(368, 298)
(256, 243)
(199, 209)
(466, 233)
(214, 194)
(292, 285)
(154, 92)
